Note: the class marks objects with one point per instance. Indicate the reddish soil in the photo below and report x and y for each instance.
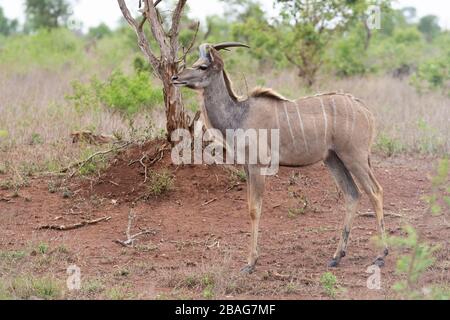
(202, 227)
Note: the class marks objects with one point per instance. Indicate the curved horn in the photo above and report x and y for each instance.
(225, 45)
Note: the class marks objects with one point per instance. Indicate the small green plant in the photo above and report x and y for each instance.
(36, 139)
(291, 288)
(429, 141)
(12, 255)
(28, 287)
(43, 248)
(208, 284)
(118, 293)
(93, 286)
(208, 292)
(388, 145)
(328, 281)
(413, 265)
(46, 288)
(191, 281)
(302, 204)
(160, 183)
(15, 183)
(440, 197)
(53, 186)
(237, 176)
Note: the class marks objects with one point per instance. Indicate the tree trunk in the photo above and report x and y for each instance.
(165, 66)
(175, 113)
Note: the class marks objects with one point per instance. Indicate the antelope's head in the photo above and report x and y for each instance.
(205, 68)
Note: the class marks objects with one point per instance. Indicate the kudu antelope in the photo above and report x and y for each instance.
(334, 128)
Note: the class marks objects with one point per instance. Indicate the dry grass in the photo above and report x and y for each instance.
(36, 121)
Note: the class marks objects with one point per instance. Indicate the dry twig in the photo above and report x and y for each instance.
(129, 242)
(386, 214)
(73, 226)
(208, 202)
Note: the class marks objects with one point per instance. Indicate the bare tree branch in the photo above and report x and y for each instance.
(191, 44)
(157, 28)
(142, 38)
(175, 29)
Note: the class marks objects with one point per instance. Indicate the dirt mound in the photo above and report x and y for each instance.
(130, 176)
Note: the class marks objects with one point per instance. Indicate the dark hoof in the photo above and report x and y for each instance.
(379, 262)
(333, 263)
(248, 269)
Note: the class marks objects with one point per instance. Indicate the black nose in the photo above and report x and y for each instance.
(174, 78)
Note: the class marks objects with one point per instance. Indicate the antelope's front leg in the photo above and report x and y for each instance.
(255, 191)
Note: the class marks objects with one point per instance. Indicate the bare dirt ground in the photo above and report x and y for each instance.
(200, 232)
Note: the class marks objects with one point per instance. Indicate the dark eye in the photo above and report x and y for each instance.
(203, 67)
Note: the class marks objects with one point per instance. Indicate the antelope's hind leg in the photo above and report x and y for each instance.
(347, 185)
(255, 191)
(363, 173)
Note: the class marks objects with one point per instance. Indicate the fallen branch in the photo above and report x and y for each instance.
(208, 202)
(386, 214)
(74, 226)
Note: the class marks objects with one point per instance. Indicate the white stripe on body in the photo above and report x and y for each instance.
(289, 123)
(302, 128)
(325, 120)
(353, 120)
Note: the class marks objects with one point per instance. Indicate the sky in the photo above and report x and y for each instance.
(93, 12)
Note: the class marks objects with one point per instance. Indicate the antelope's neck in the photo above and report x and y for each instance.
(222, 109)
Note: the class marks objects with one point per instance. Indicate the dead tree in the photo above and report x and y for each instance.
(166, 65)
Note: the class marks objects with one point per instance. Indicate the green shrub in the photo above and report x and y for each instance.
(434, 74)
(388, 145)
(120, 92)
(348, 56)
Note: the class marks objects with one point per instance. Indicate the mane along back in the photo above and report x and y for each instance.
(267, 93)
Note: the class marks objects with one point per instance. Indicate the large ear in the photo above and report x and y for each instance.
(216, 60)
